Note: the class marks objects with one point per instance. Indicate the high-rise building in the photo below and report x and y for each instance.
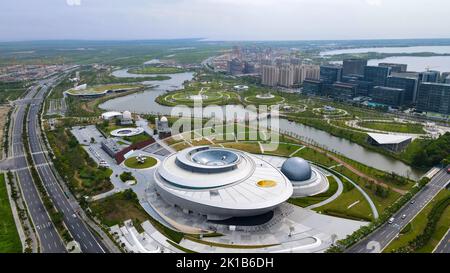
(302, 72)
(376, 74)
(445, 77)
(429, 76)
(434, 97)
(353, 67)
(270, 75)
(312, 71)
(249, 68)
(235, 67)
(395, 68)
(330, 74)
(286, 76)
(343, 91)
(410, 86)
(387, 95)
(312, 87)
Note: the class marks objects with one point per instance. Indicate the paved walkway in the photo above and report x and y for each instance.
(339, 191)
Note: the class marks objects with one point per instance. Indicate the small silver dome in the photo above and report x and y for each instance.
(296, 169)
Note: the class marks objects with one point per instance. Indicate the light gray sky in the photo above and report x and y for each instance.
(223, 19)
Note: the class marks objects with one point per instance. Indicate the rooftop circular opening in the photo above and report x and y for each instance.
(215, 158)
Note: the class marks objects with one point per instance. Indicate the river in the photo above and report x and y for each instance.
(144, 102)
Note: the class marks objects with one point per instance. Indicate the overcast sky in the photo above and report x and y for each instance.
(223, 19)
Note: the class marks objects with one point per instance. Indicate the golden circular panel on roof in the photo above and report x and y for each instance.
(266, 183)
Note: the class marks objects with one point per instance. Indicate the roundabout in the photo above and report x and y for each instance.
(206, 97)
(328, 111)
(140, 162)
(265, 99)
(127, 132)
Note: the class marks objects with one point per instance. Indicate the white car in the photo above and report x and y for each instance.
(391, 220)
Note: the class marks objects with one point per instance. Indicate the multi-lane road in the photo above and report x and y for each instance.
(50, 242)
(381, 238)
(77, 228)
(49, 239)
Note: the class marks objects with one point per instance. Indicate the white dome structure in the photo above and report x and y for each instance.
(296, 169)
(126, 115)
(221, 183)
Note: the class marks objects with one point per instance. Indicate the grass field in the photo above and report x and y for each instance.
(409, 128)
(350, 204)
(311, 200)
(118, 208)
(11, 90)
(133, 163)
(9, 238)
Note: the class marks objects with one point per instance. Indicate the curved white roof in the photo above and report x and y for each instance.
(237, 189)
(388, 139)
(111, 114)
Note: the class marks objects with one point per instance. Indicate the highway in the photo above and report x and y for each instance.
(444, 245)
(49, 239)
(77, 228)
(381, 237)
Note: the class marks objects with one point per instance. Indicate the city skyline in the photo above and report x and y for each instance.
(222, 20)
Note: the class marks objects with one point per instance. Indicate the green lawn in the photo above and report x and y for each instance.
(9, 237)
(311, 200)
(398, 127)
(340, 206)
(118, 208)
(133, 163)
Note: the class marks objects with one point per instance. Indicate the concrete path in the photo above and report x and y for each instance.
(339, 191)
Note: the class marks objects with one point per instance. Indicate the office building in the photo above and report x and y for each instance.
(330, 74)
(388, 95)
(343, 91)
(430, 76)
(410, 86)
(376, 74)
(395, 68)
(312, 87)
(353, 67)
(434, 97)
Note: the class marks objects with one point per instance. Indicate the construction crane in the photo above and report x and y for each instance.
(428, 68)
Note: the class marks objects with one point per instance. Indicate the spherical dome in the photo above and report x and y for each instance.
(296, 169)
(126, 115)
